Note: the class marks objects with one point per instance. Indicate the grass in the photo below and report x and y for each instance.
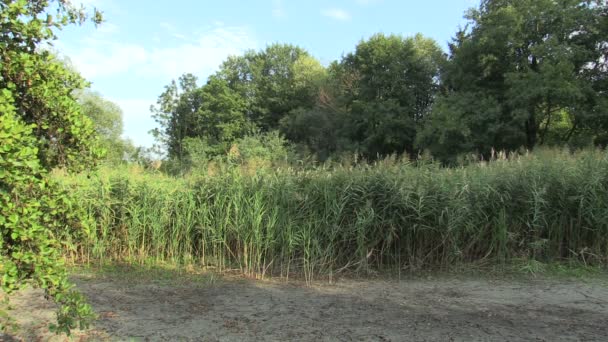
(171, 274)
(161, 274)
(546, 207)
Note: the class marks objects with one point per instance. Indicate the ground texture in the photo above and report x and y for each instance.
(234, 309)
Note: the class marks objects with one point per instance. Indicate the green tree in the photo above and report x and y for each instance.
(268, 146)
(107, 118)
(538, 65)
(274, 82)
(41, 127)
(199, 120)
(454, 129)
(221, 118)
(175, 114)
(250, 92)
(314, 130)
(389, 85)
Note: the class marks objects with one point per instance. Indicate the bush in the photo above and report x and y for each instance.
(34, 214)
(41, 127)
(271, 147)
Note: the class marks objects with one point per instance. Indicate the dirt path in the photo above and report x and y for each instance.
(413, 310)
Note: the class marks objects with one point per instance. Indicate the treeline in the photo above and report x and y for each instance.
(521, 74)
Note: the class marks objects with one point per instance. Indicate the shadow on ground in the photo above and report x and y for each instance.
(414, 310)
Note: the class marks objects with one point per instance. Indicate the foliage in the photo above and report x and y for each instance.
(107, 118)
(34, 215)
(537, 66)
(41, 127)
(274, 82)
(198, 123)
(251, 92)
(456, 128)
(221, 119)
(314, 130)
(520, 74)
(389, 85)
(270, 146)
(175, 114)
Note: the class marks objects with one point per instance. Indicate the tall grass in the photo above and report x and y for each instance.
(550, 205)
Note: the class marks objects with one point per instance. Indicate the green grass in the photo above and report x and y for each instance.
(547, 207)
(158, 274)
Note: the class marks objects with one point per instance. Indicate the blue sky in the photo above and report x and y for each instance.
(143, 44)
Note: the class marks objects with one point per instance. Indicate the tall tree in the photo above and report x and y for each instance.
(273, 82)
(210, 117)
(175, 113)
(221, 118)
(534, 63)
(107, 118)
(389, 85)
(314, 131)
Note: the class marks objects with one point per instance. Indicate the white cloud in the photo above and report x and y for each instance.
(336, 13)
(100, 58)
(199, 54)
(173, 31)
(108, 61)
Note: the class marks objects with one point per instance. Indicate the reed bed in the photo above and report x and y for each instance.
(546, 206)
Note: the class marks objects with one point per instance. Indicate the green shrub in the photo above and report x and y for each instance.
(41, 128)
(33, 214)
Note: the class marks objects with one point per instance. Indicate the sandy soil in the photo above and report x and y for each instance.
(438, 309)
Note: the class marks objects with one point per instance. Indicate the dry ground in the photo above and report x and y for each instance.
(151, 307)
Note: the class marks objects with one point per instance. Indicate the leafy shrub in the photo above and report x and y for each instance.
(41, 127)
(34, 213)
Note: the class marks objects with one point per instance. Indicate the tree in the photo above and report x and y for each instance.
(250, 92)
(454, 129)
(221, 118)
(41, 127)
(175, 114)
(539, 62)
(314, 130)
(207, 118)
(107, 118)
(269, 147)
(219, 121)
(389, 85)
(273, 82)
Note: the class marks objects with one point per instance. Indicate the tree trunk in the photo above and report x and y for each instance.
(531, 129)
(548, 124)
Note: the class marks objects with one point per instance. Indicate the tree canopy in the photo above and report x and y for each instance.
(107, 119)
(522, 73)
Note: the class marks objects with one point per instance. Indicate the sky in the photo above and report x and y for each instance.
(143, 45)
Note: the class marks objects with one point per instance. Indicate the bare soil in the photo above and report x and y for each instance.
(237, 309)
